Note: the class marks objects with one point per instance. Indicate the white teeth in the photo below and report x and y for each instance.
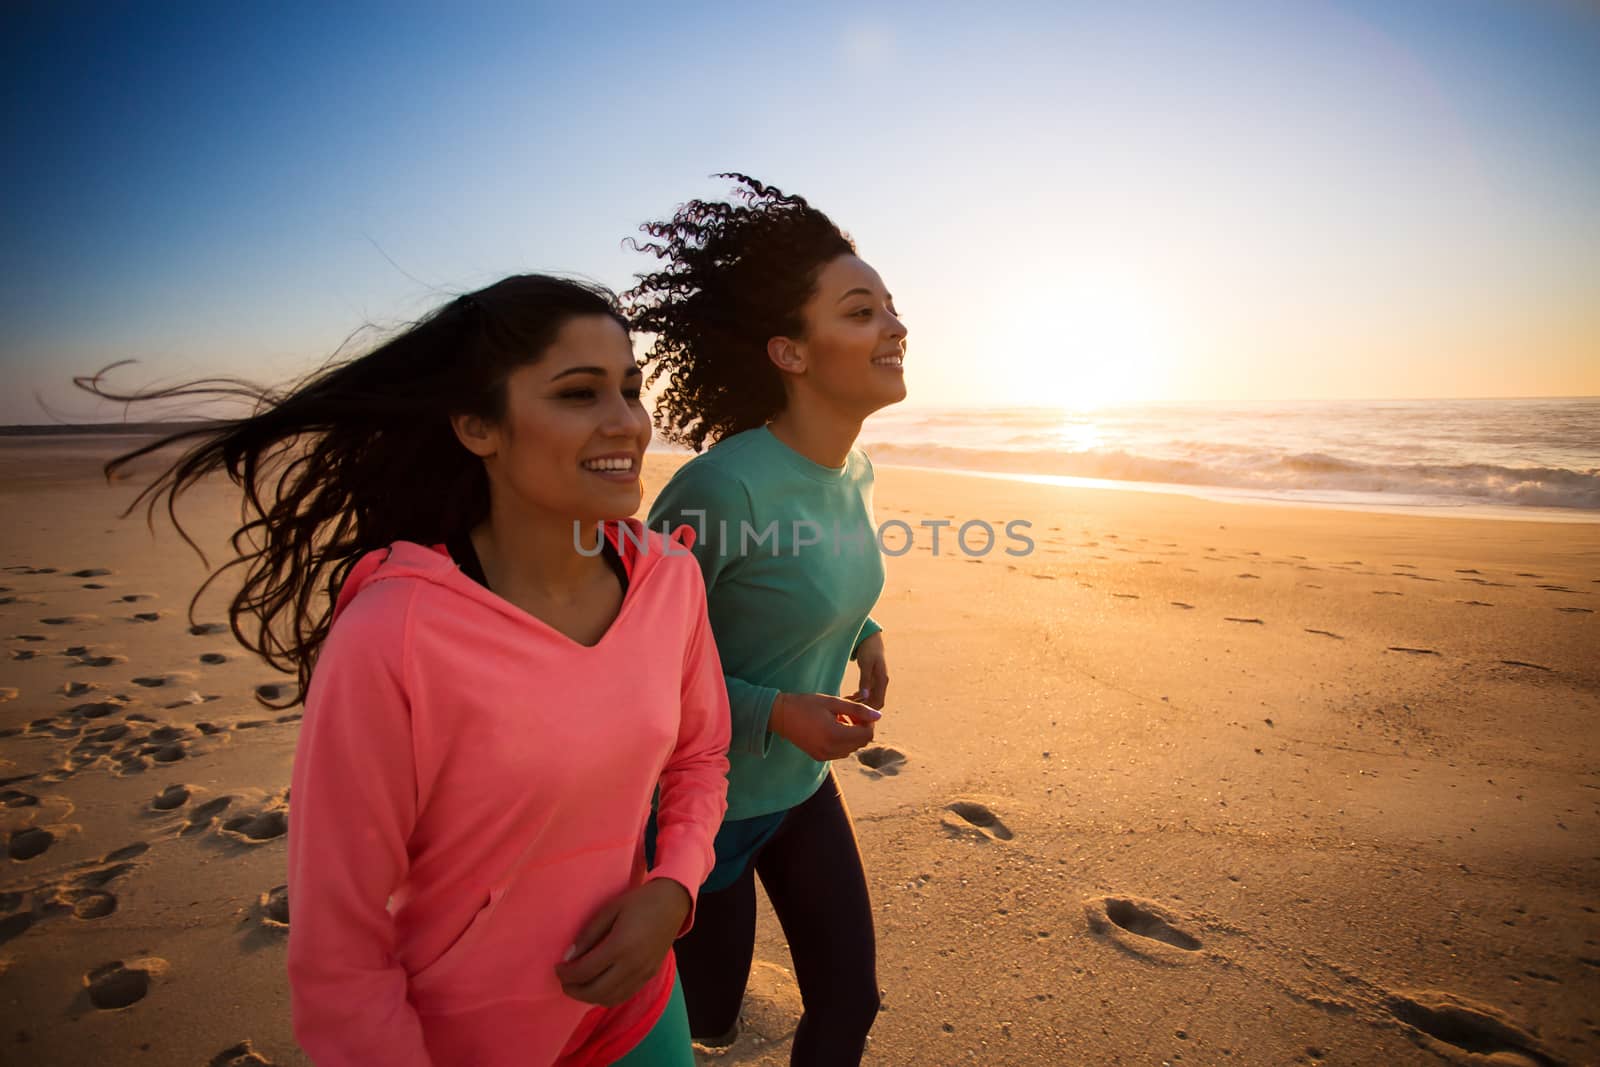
(608, 464)
(890, 361)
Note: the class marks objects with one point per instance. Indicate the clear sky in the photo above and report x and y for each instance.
(1072, 203)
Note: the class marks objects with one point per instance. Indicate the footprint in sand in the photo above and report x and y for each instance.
(1247, 575)
(171, 798)
(146, 616)
(880, 760)
(1324, 633)
(69, 620)
(1476, 603)
(88, 657)
(1452, 1024)
(271, 691)
(241, 1055)
(204, 629)
(1577, 611)
(126, 852)
(275, 906)
(976, 819)
(156, 681)
(1387, 592)
(118, 985)
(203, 815)
(16, 798)
(1126, 596)
(96, 905)
(1523, 663)
(1181, 604)
(260, 827)
(22, 655)
(1235, 618)
(15, 925)
(134, 598)
(213, 658)
(1141, 927)
(29, 637)
(1412, 651)
(100, 877)
(90, 572)
(29, 843)
(96, 710)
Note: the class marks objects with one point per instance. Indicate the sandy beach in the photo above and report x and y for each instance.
(1190, 782)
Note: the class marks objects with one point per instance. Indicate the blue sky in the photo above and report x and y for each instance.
(1073, 203)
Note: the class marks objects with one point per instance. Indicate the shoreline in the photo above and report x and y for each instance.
(1233, 495)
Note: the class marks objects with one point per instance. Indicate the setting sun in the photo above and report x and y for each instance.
(1109, 345)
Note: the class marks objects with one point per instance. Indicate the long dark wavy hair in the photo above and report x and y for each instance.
(356, 456)
(735, 275)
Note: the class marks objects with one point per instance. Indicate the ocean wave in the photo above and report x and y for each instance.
(1231, 467)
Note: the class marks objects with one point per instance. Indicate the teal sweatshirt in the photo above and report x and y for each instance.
(792, 567)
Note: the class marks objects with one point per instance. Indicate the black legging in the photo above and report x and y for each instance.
(811, 870)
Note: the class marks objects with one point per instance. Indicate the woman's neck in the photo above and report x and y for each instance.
(525, 554)
(821, 433)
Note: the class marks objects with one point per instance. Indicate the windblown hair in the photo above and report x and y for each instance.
(356, 456)
(736, 275)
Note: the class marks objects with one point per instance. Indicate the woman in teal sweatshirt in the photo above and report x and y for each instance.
(779, 342)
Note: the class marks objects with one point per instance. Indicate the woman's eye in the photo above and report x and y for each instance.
(633, 394)
(862, 313)
(578, 394)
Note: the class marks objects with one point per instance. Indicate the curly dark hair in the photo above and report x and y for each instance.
(736, 275)
(355, 457)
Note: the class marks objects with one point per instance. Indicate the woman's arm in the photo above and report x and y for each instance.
(694, 784)
(703, 498)
(353, 801)
(623, 944)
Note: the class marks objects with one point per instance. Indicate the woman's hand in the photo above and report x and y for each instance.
(874, 671)
(622, 946)
(821, 726)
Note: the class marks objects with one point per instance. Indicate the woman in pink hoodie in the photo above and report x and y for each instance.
(509, 669)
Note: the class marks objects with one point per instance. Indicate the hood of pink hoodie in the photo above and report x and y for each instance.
(640, 548)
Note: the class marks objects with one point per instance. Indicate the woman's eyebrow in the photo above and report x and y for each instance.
(631, 372)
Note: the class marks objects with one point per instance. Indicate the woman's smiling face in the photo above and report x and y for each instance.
(853, 344)
(571, 439)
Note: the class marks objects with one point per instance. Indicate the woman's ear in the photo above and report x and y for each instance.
(786, 355)
(476, 435)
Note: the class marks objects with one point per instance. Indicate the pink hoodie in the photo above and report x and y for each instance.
(470, 786)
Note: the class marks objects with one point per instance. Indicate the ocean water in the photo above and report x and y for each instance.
(1505, 457)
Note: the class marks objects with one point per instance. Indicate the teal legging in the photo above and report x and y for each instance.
(667, 1043)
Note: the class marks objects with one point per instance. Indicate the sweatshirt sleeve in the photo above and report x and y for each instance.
(694, 783)
(716, 505)
(354, 803)
(868, 628)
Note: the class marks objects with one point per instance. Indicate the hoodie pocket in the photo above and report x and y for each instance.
(451, 958)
